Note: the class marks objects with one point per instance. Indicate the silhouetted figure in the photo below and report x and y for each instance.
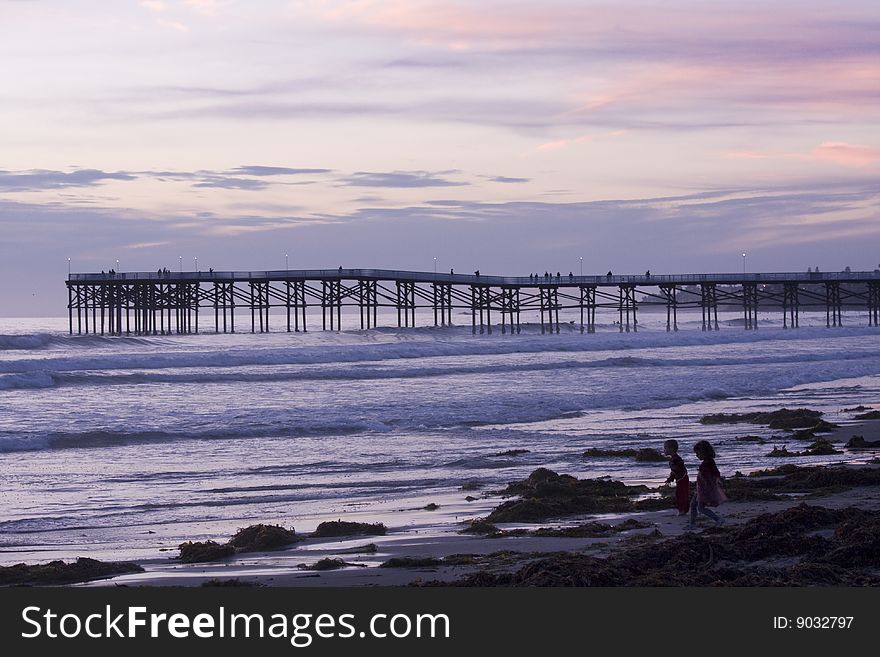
(678, 473)
(709, 491)
(609, 274)
(570, 276)
(558, 276)
(477, 273)
(340, 270)
(451, 272)
(547, 275)
(648, 274)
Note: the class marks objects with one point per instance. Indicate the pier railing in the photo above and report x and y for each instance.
(475, 279)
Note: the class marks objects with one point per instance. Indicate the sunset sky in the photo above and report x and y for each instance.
(507, 136)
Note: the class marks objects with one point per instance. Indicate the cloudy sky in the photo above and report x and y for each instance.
(508, 136)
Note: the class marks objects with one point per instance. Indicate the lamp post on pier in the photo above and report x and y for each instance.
(196, 260)
(287, 262)
(435, 265)
(68, 269)
(744, 262)
(180, 258)
(582, 265)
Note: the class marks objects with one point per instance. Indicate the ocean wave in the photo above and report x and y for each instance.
(98, 438)
(26, 341)
(44, 341)
(28, 380)
(386, 370)
(194, 355)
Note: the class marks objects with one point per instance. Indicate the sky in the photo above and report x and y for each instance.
(506, 136)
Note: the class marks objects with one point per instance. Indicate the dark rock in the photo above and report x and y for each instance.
(871, 415)
(431, 507)
(513, 452)
(750, 439)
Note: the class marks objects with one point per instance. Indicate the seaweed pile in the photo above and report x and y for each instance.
(261, 538)
(644, 455)
(60, 572)
(585, 530)
(256, 538)
(819, 447)
(546, 494)
(801, 546)
(784, 418)
(344, 528)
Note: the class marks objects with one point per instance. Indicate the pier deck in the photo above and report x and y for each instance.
(164, 302)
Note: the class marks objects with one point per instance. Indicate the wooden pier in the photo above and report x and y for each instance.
(164, 302)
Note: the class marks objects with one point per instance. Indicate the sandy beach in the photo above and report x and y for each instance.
(439, 553)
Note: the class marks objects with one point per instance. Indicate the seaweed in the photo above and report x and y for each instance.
(546, 494)
(819, 447)
(234, 582)
(327, 564)
(411, 562)
(784, 418)
(258, 538)
(644, 455)
(204, 551)
(480, 527)
(733, 556)
(255, 538)
(334, 528)
(60, 572)
(859, 442)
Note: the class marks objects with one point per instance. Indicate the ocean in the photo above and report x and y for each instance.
(124, 447)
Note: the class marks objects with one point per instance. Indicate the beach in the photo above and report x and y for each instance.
(122, 450)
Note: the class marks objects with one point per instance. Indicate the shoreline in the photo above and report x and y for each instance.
(440, 539)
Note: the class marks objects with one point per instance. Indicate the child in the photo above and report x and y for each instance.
(709, 491)
(679, 474)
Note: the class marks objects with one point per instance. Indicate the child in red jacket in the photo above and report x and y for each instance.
(679, 474)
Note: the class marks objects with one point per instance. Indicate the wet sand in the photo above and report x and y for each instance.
(418, 533)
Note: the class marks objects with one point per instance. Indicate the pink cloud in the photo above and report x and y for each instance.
(838, 152)
(849, 155)
(582, 139)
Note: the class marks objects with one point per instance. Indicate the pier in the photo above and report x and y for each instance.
(165, 302)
